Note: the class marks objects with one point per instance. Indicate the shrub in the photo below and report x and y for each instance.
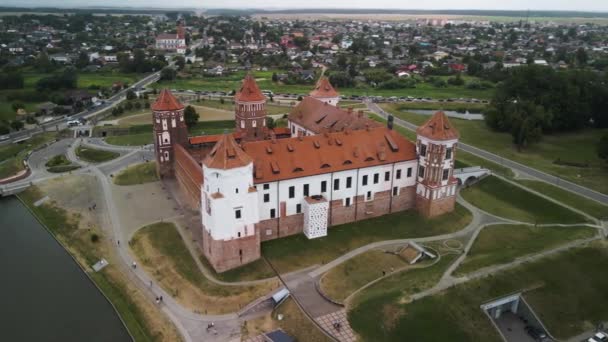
(94, 238)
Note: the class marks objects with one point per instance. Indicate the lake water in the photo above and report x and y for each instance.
(44, 295)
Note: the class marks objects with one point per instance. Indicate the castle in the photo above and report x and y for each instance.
(330, 166)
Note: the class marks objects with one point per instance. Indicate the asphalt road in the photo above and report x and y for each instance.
(562, 183)
(61, 122)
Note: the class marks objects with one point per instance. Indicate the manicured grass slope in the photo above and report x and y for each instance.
(568, 292)
(503, 244)
(509, 201)
(92, 155)
(137, 174)
(295, 252)
(583, 204)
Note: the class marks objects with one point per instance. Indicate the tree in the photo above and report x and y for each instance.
(128, 105)
(16, 125)
(180, 61)
(168, 74)
(275, 77)
(301, 42)
(43, 63)
(131, 95)
(581, 56)
(83, 60)
(190, 116)
(602, 147)
(270, 122)
(17, 105)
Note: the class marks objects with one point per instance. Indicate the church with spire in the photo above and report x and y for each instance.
(331, 166)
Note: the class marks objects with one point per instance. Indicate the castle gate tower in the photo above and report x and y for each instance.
(436, 146)
(169, 129)
(250, 110)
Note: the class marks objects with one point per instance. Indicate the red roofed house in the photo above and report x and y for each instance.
(172, 41)
(251, 186)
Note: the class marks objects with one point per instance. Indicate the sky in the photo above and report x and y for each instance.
(566, 5)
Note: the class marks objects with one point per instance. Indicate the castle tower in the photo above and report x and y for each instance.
(169, 129)
(325, 92)
(229, 207)
(436, 147)
(250, 110)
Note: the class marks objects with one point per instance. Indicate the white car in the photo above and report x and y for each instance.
(600, 336)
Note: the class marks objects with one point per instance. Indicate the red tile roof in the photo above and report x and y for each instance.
(166, 102)
(249, 92)
(438, 127)
(319, 117)
(226, 154)
(289, 158)
(324, 89)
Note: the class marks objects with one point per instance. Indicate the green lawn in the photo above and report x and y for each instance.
(87, 79)
(506, 200)
(137, 174)
(92, 155)
(344, 279)
(502, 244)
(568, 293)
(296, 251)
(130, 139)
(583, 204)
(579, 147)
(471, 107)
(60, 163)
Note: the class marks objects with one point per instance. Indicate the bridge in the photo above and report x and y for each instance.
(469, 175)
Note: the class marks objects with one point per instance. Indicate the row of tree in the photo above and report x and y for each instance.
(536, 100)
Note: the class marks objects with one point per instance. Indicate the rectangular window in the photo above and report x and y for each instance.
(298, 208)
(266, 186)
(336, 184)
(305, 189)
(349, 182)
(387, 176)
(448, 153)
(237, 213)
(395, 191)
(376, 178)
(324, 186)
(292, 191)
(273, 213)
(421, 171)
(409, 172)
(266, 198)
(365, 180)
(398, 176)
(423, 150)
(446, 174)
(347, 202)
(369, 195)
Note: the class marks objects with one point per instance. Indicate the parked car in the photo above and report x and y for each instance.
(535, 333)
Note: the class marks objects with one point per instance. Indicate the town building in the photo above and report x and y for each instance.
(175, 42)
(252, 185)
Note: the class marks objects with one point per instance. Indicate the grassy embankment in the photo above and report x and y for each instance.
(506, 200)
(502, 244)
(162, 252)
(12, 155)
(60, 163)
(92, 155)
(567, 291)
(137, 174)
(296, 252)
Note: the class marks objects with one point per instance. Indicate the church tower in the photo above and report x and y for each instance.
(169, 129)
(229, 208)
(250, 111)
(436, 148)
(325, 92)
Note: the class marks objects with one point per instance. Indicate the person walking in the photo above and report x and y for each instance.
(134, 265)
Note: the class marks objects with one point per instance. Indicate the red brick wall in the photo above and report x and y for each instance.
(270, 224)
(379, 206)
(405, 200)
(290, 225)
(227, 254)
(341, 214)
(189, 176)
(433, 208)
